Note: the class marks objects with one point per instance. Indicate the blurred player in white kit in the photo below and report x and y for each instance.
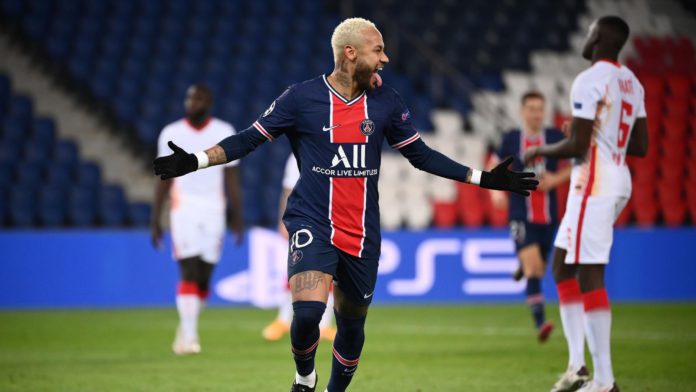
(197, 212)
(609, 122)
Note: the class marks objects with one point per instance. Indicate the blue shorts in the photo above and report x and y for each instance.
(355, 276)
(525, 234)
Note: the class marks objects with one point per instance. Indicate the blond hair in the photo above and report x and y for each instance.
(349, 32)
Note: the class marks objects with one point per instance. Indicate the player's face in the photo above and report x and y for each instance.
(533, 113)
(371, 58)
(590, 41)
(197, 102)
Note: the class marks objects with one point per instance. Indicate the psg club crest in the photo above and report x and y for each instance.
(295, 257)
(367, 127)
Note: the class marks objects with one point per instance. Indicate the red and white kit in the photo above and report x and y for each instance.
(197, 215)
(600, 184)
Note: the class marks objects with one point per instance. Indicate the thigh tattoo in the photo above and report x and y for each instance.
(308, 280)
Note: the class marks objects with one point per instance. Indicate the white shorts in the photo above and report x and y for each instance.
(587, 232)
(196, 233)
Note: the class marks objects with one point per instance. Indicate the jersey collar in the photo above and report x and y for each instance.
(610, 61)
(200, 127)
(339, 96)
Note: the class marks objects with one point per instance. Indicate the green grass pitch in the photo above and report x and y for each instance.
(433, 348)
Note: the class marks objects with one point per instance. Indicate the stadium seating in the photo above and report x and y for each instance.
(43, 181)
(667, 69)
(136, 59)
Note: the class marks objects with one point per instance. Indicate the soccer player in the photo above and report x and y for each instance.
(197, 212)
(336, 125)
(281, 325)
(609, 122)
(533, 219)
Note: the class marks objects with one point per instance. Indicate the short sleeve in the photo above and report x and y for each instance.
(279, 117)
(230, 131)
(584, 97)
(401, 132)
(292, 173)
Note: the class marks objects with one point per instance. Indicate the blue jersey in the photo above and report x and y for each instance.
(338, 144)
(540, 207)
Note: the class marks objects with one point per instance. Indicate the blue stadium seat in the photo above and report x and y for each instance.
(21, 107)
(44, 130)
(139, 214)
(82, 206)
(52, 206)
(6, 176)
(22, 206)
(59, 175)
(9, 154)
(15, 129)
(88, 175)
(29, 175)
(65, 152)
(112, 206)
(5, 93)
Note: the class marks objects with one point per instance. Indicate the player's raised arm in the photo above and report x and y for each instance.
(574, 146)
(273, 123)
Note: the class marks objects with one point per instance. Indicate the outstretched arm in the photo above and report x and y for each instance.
(574, 146)
(229, 149)
(424, 158)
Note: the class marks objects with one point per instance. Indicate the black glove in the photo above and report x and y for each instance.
(175, 165)
(502, 179)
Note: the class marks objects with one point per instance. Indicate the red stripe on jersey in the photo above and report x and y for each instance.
(263, 131)
(538, 201)
(347, 214)
(347, 119)
(347, 204)
(588, 191)
(406, 142)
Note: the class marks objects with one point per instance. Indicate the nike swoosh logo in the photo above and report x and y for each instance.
(326, 129)
(366, 296)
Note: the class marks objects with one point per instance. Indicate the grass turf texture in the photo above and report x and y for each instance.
(454, 348)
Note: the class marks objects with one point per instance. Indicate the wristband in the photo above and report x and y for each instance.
(202, 158)
(475, 177)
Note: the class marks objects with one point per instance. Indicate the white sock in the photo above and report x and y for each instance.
(285, 309)
(328, 316)
(188, 306)
(572, 315)
(309, 380)
(598, 328)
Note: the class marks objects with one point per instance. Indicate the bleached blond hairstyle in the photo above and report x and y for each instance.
(349, 32)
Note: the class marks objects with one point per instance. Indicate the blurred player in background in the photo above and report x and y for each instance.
(609, 122)
(281, 325)
(197, 212)
(533, 219)
(336, 125)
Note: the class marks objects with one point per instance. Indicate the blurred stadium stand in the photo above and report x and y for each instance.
(460, 66)
(43, 180)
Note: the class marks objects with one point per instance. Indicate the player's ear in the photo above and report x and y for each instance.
(350, 52)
